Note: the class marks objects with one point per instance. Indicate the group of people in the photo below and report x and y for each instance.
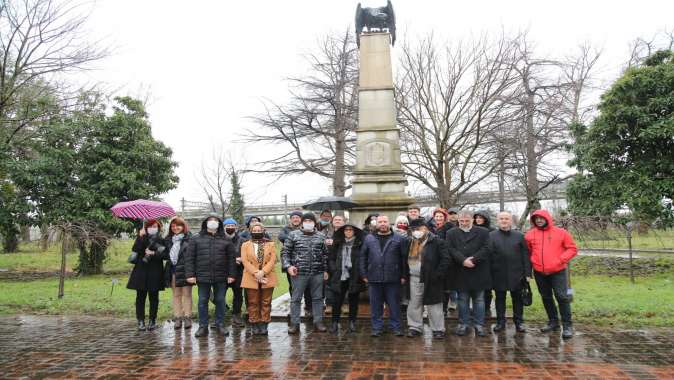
(456, 259)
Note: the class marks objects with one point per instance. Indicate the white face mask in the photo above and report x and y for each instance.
(212, 224)
(152, 231)
(418, 234)
(308, 226)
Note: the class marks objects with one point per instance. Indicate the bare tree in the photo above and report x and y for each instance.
(316, 127)
(551, 99)
(39, 39)
(641, 48)
(215, 179)
(450, 103)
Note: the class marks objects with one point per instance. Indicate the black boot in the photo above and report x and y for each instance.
(567, 332)
(201, 331)
(519, 327)
(187, 323)
(551, 326)
(151, 325)
(500, 326)
(177, 323)
(141, 325)
(335, 327)
(222, 331)
(263, 328)
(352, 326)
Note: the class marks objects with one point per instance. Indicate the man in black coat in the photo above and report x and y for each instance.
(425, 267)
(510, 265)
(211, 264)
(469, 248)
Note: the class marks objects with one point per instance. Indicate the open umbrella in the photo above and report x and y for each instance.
(142, 209)
(330, 203)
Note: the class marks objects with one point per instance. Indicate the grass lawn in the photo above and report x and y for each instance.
(31, 259)
(653, 239)
(91, 295)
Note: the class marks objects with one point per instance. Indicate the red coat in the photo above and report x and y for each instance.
(550, 248)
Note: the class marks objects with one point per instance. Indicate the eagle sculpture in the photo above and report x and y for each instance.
(376, 19)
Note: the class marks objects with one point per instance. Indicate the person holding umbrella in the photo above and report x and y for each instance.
(147, 276)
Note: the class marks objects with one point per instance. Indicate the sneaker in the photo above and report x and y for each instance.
(480, 331)
(461, 330)
(141, 325)
(320, 327)
(520, 328)
(551, 326)
(177, 323)
(151, 325)
(412, 333)
(500, 326)
(438, 335)
(187, 323)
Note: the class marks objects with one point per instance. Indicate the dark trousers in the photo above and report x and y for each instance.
(388, 292)
(141, 295)
(518, 306)
(555, 283)
(488, 296)
(338, 301)
(237, 292)
(307, 294)
(204, 290)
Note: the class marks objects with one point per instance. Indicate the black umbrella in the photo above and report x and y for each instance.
(330, 203)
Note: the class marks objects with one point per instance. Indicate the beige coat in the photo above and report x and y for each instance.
(251, 266)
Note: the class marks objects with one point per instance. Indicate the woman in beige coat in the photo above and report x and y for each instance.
(258, 257)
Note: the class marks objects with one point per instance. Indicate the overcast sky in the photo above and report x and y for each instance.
(208, 64)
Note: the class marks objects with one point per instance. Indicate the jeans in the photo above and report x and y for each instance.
(388, 292)
(338, 301)
(300, 284)
(141, 295)
(307, 293)
(555, 283)
(204, 290)
(237, 293)
(477, 297)
(518, 306)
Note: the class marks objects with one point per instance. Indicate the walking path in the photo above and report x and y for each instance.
(89, 347)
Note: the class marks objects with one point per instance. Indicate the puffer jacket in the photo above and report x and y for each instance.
(210, 258)
(550, 248)
(306, 252)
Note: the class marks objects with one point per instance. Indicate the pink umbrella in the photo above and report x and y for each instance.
(142, 209)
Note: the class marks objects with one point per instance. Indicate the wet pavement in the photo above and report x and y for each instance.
(88, 347)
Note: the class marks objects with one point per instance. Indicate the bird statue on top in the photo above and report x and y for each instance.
(376, 19)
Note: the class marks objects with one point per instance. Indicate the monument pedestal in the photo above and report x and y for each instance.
(379, 182)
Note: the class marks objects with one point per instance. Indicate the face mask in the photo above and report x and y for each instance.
(373, 222)
(230, 231)
(212, 224)
(324, 222)
(257, 235)
(308, 226)
(418, 234)
(152, 230)
(402, 227)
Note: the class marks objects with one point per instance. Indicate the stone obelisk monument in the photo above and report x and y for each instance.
(379, 182)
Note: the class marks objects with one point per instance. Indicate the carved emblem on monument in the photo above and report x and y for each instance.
(377, 153)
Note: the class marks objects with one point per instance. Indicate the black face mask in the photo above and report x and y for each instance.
(230, 231)
(257, 235)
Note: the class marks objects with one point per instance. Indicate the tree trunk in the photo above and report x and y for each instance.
(338, 182)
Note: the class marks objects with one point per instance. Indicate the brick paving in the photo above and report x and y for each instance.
(106, 348)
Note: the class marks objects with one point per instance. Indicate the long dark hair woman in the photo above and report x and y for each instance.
(147, 276)
(174, 272)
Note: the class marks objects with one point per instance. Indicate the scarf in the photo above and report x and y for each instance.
(259, 248)
(175, 248)
(417, 247)
(346, 258)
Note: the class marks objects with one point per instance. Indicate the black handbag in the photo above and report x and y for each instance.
(526, 292)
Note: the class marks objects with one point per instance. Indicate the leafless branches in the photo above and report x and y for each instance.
(317, 125)
(215, 180)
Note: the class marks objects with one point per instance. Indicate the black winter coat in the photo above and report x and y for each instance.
(509, 259)
(307, 252)
(181, 279)
(356, 284)
(383, 265)
(237, 241)
(435, 262)
(210, 258)
(463, 245)
(148, 276)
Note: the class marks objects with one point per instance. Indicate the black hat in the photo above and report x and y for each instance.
(310, 216)
(295, 212)
(416, 223)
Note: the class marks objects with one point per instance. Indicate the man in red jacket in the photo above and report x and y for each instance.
(550, 249)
